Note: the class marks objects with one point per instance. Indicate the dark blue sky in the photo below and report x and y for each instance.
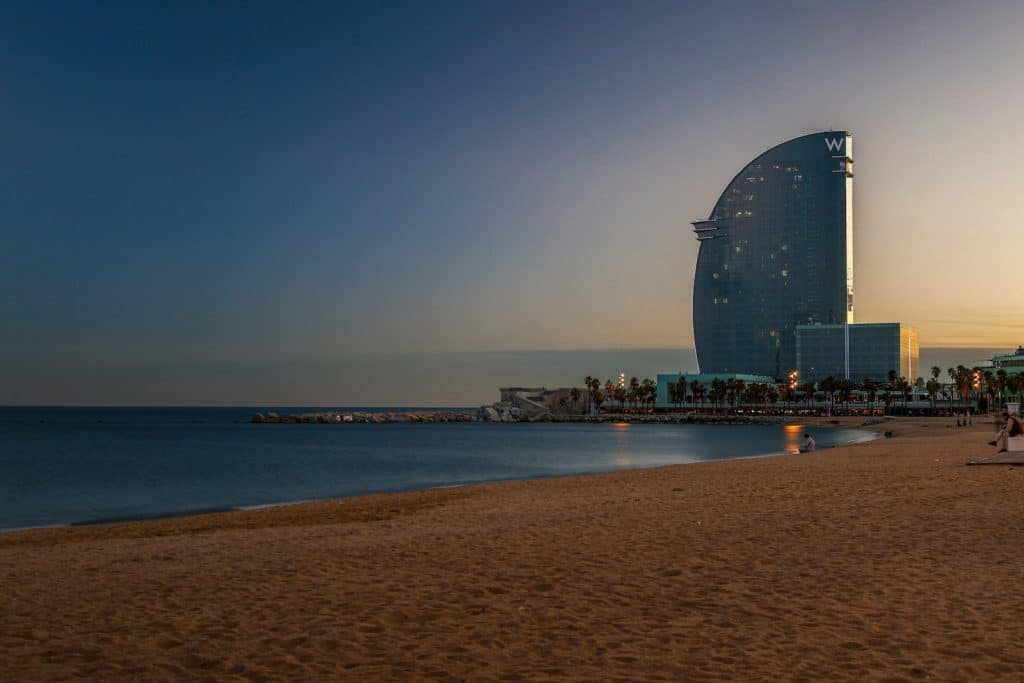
(191, 186)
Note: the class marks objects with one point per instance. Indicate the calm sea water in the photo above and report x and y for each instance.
(71, 465)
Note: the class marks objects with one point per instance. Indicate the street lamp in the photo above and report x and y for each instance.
(976, 376)
(791, 394)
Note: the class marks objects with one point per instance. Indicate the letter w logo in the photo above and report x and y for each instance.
(834, 144)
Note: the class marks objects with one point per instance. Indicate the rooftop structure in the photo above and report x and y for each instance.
(1012, 363)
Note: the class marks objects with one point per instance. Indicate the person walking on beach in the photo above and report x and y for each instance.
(809, 444)
(1012, 426)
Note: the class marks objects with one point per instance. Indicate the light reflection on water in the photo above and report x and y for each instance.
(621, 455)
(793, 434)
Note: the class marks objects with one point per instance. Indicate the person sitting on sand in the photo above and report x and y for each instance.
(1012, 427)
(809, 444)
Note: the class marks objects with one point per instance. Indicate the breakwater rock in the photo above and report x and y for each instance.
(331, 417)
(488, 414)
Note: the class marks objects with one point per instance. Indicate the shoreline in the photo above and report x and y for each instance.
(825, 423)
(889, 558)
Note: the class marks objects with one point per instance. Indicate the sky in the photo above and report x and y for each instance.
(315, 204)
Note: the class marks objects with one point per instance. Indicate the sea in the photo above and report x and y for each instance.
(61, 466)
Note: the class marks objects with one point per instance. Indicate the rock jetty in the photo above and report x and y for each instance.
(490, 414)
(332, 417)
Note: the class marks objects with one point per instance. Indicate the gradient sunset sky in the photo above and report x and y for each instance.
(254, 203)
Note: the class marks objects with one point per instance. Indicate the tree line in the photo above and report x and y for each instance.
(965, 384)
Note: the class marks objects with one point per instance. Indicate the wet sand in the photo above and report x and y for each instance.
(888, 560)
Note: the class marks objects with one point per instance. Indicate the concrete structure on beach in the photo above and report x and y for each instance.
(533, 402)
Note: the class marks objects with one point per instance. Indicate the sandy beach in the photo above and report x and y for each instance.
(889, 560)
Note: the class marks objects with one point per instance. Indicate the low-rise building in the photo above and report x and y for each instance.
(664, 396)
(857, 351)
(1012, 363)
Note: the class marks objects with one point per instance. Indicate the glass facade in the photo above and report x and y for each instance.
(776, 252)
(857, 352)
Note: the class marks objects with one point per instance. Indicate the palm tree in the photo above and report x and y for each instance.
(808, 388)
(963, 384)
(953, 388)
(891, 386)
(756, 393)
(649, 389)
(772, 395)
(871, 387)
(932, 386)
(681, 389)
(609, 389)
(588, 382)
(990, 384)
(903, 386)
(717, 393)
(697, 389)
(1001, 381)
(845, 389)
(574, 394)
(1015, 382)
(751, 394)
(735, 388)
(634, 391)
(828, 385)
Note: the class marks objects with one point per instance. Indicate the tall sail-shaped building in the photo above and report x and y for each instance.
(776, 252)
